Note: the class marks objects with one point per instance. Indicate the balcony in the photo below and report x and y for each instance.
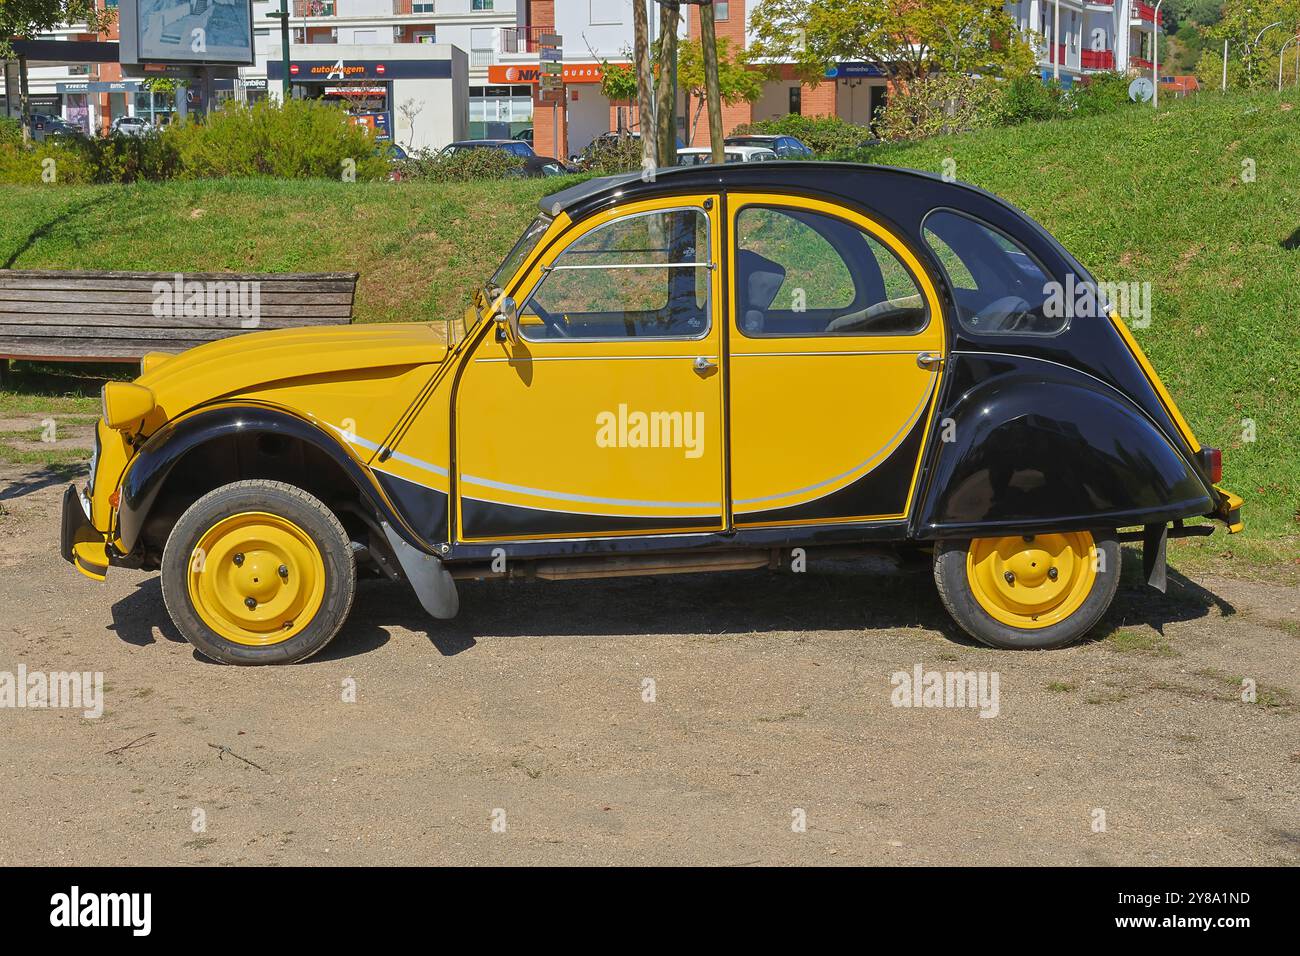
(1097, 59)
(1144, 11)
(516, 40)
(1056, 53)
(1139, 62)
(406, 8)
(313, 8)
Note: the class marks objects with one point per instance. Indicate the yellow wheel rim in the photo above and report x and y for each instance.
(256, 579)
(1032, 581)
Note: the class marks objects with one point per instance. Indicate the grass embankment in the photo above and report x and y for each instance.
(1136, 196)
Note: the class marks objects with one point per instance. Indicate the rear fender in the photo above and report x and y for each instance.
(1039, 446)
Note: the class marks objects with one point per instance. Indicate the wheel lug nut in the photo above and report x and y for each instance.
(1051, 573)
(239, 560)
(284, 571)
(1011, 578)
(250, 603)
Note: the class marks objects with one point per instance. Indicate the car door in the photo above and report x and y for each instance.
(604, 415)
(835, 345)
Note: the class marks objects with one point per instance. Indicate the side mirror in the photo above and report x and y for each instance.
(507, 319)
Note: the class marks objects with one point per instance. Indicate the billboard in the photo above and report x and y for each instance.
(186, 31)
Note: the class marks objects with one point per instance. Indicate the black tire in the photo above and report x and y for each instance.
(955, 591)
(287, 502)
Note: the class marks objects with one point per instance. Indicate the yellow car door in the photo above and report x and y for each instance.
(836, 341)
(603, 414)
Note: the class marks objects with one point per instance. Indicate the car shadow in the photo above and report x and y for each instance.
(853, 597)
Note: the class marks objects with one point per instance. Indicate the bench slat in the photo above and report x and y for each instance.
(268, 284)
(147, 299)
(285, 316)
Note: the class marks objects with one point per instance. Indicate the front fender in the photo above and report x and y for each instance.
(1026, 445)
(148, 472)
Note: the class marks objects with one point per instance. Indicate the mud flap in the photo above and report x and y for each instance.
(1154, 539)
(432, 582)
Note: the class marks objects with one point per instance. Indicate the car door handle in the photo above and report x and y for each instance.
(704, 364)
(929, 360)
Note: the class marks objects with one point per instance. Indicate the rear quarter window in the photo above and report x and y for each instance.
(998, 285)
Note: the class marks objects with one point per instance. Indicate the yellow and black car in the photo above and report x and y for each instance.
(706, 369)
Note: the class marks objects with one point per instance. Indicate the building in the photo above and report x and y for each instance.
(397, 30)
(500, 42)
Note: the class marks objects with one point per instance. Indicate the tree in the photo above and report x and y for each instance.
(737, 81)
(642, 79)
(905, 38)
(1250, 64)
(666, 90)
(25, 19)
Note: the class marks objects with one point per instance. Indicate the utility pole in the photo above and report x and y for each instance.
(1056, 43)
(644, 84)
(709, 46)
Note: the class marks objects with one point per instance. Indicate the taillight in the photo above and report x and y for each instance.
(1212, 460)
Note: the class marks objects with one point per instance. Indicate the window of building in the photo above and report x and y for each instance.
(499, 112)
(721, 10)
(802, 273)
(418, 7)
(604, 13)
(644, 276)
(481, 5)
(999, 287)
(796, 100)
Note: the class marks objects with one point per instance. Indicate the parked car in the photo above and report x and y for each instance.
(703, 155)
(533, 165)
(44, 126)
(525, 136)
(130, 126)
(584, 159)
(787, 147)
(716, 368)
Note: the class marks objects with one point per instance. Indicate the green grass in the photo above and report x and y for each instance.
(1136, 196)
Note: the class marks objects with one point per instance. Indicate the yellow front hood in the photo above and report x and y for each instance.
(244, 362)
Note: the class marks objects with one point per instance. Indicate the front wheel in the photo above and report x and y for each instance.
(1032, 591)
(258, 572)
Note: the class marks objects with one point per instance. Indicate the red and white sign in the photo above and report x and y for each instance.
(569, 73)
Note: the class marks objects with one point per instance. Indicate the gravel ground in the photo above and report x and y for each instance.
(522, 733)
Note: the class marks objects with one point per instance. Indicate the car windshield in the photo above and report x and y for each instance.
(510, 265)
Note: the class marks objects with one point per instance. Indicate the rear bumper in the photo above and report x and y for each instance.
(1228, 510)
(79, 543)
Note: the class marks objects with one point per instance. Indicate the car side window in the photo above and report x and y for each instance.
(801, 273)
(643, 276)
(999, 287)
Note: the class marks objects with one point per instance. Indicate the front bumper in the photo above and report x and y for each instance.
(79, 542)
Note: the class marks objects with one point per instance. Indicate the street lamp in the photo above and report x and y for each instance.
(1250, 49)
(283, 17)
(1155, 56)
(1279, 59)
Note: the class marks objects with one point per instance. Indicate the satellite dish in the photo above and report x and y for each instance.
(1141, 90)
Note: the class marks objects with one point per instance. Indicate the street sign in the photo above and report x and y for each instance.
(550, 63)
(1141, 90)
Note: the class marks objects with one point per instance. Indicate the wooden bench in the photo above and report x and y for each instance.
(119, 316)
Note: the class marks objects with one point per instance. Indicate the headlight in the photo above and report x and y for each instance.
(124, 404)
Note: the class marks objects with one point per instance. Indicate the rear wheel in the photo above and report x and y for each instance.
(1028, 591)
(258, 572)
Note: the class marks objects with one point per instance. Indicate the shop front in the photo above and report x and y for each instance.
(415, 96)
